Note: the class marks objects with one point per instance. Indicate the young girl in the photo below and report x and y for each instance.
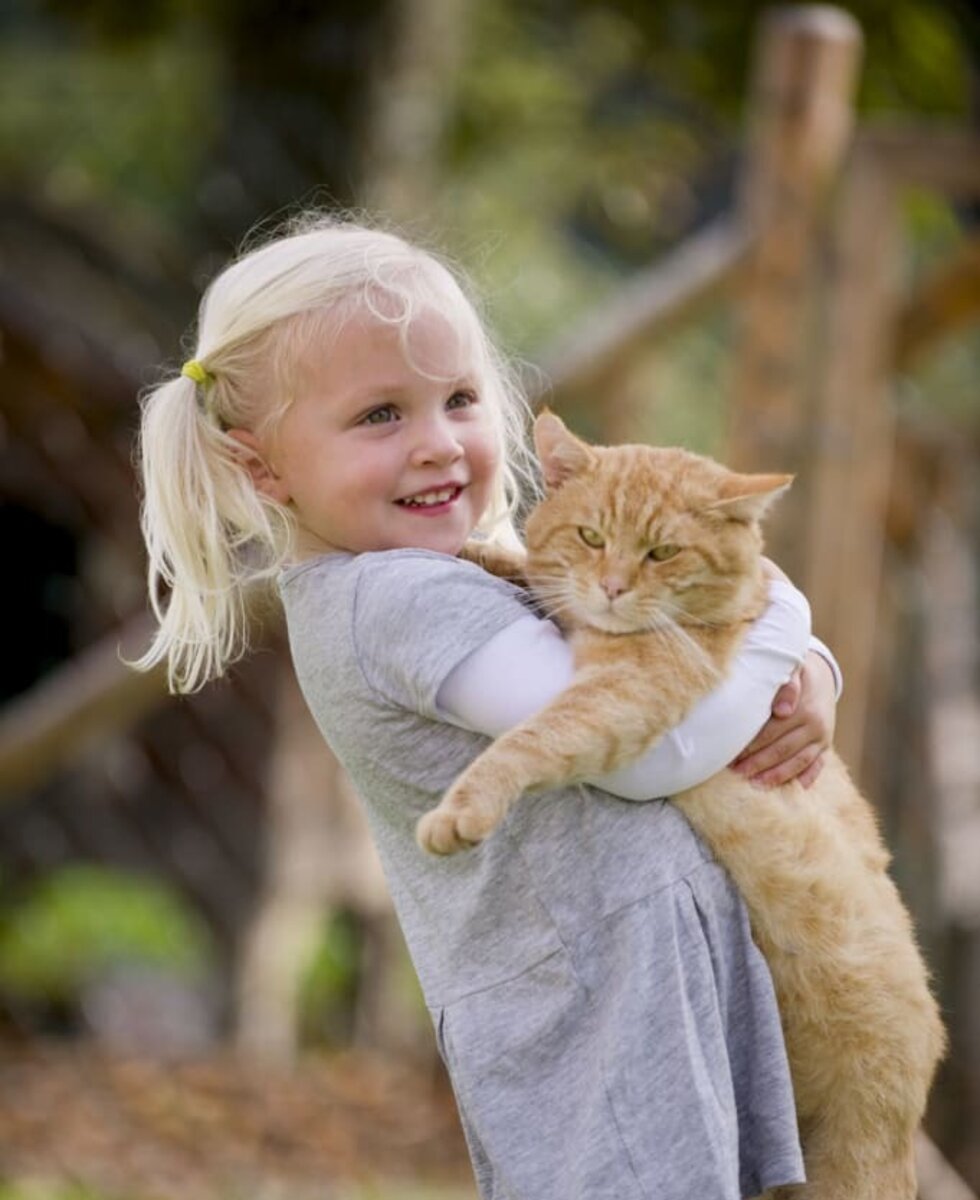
(345, 424)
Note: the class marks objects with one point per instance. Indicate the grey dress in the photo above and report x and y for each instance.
(607, 1022)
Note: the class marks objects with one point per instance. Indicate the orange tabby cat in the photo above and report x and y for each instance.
(650, 559)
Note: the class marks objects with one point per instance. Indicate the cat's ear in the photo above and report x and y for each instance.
(748, 497)
(560, 453)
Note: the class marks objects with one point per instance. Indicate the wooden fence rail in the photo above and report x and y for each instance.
(92, 697)
(658, 300)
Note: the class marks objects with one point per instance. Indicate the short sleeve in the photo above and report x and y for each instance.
(416, 615)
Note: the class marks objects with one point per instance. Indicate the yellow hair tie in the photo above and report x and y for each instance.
(194, 370)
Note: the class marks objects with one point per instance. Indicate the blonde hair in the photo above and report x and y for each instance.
(210, 535)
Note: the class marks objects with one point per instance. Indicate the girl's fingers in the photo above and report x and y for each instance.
(788, 696)
(809, 776)
(785, 744)
(791, 768)
(773, 731)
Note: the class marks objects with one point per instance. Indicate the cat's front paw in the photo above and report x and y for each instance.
(506, 563)
(439, 832)
(457, 823)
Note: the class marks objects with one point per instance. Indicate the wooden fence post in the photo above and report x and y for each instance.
(800, 123)
(851, 459)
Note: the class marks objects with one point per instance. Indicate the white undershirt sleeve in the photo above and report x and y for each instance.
(523, 667)
(818, 647)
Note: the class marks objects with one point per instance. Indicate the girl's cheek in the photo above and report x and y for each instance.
(494, 456)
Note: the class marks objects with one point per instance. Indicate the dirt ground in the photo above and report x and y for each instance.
(218, 1129)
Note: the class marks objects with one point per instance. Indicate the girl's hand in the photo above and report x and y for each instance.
(792, 743)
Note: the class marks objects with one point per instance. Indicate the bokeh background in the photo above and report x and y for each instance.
(202, 989)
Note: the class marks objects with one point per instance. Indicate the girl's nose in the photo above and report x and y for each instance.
(437, 443)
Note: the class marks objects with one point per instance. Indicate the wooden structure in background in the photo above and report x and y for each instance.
(801, 119)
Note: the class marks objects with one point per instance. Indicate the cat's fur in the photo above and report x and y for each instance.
(650, 637)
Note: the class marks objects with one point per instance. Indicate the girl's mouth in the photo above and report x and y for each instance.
(435, 501)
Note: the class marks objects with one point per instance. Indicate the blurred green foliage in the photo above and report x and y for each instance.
(329, 985)
(334, 977)
(582, 137)
(82, 920)
(93, 124)
(588, 137)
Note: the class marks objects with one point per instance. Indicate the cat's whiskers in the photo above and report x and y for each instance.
(683, 647)
(557, 598)
(685, 616)
(558, 611)
(564, 588)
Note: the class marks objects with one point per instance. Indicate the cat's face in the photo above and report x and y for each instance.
(634, 538)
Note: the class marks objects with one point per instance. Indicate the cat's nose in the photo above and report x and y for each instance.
(613, 586)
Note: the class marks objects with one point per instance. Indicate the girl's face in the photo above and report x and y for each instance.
(378, 452)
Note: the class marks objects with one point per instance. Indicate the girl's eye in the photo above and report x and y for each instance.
(662, 553)
(591, 537)
(461, 399)
(380, 416)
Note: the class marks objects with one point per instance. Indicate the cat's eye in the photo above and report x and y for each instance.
(662, 553)
(591, 537)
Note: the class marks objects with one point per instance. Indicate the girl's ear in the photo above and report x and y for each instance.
(252, 457)
(560, 453)
(748, 497)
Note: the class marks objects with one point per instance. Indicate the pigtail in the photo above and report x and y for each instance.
(209, 535)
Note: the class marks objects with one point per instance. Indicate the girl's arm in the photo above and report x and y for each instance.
(521, 668)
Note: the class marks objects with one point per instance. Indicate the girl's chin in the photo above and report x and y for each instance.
(444, 542)
(450, 546)
(445, 536)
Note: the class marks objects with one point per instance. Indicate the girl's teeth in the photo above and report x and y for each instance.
(431, 497)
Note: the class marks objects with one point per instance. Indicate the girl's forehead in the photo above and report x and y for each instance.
(364, 354)
(435, 343)
(366, 343)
